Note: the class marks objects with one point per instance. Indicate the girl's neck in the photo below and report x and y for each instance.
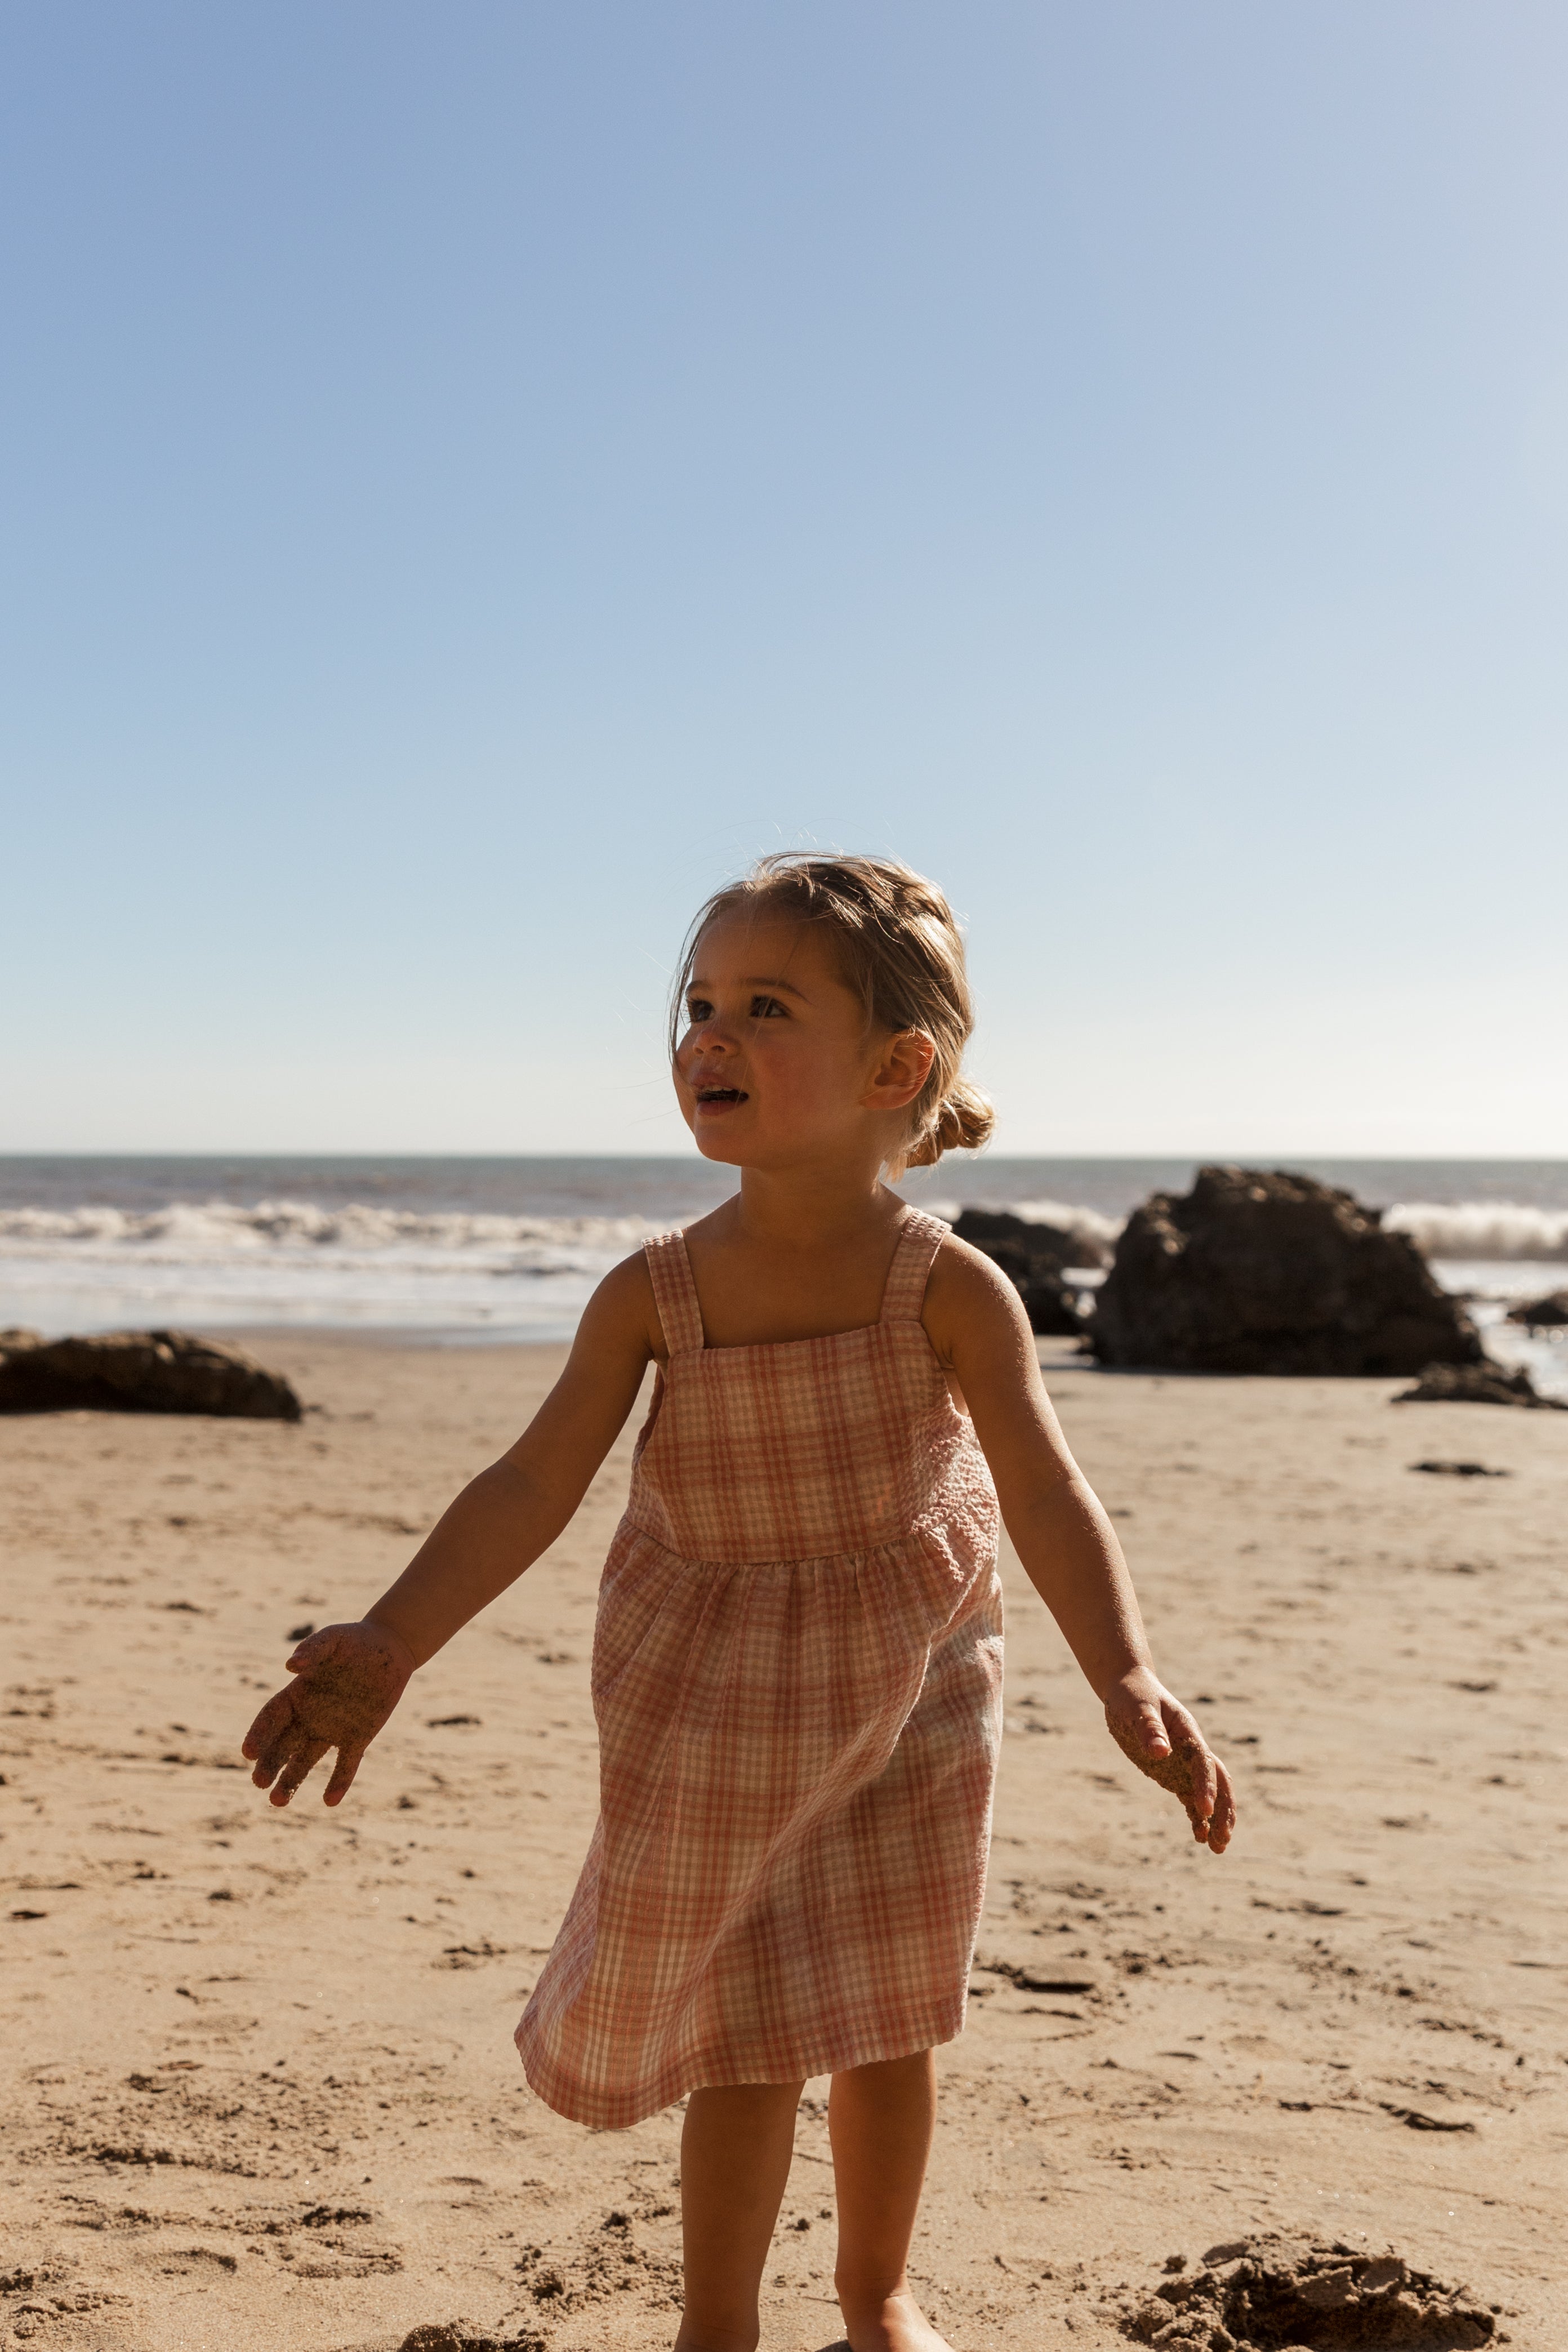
(809, 1209)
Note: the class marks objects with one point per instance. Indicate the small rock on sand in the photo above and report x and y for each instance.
(1541, 1314)
(140, 1372)
(1476, 1384)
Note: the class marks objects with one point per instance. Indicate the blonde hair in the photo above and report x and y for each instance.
(899, 949)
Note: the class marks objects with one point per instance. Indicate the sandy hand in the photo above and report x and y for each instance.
(350, 1679)
(1155, 1732)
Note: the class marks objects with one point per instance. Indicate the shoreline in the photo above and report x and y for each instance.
(413, 1252)
(415, 1336)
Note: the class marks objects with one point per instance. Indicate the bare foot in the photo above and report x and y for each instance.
(896, 2325)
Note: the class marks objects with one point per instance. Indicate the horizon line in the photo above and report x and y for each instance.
(1207, 1156)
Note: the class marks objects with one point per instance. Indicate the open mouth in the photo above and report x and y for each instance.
(721, 1094)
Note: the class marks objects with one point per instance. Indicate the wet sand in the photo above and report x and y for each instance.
(258, 2085)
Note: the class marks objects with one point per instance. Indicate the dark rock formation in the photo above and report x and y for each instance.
(1273, 1272)
(983, 1227)
(1033, 1258)
(1541, 1314)
(1476, 1384)
(139, 1371)
(1049, 1305)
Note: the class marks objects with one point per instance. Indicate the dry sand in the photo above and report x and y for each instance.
(260, 2089)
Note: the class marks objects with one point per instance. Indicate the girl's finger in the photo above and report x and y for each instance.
(307, 1755)
(1150, 1732)
(312, 1651)
(1181, 1726)
(271, 1761)
(277, 1752)
(269, 1765)
(1205, 1788)
(343, 1771)
(1223, 1821)
(278, 1712)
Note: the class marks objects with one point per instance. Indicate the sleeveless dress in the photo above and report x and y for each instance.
(797, 1677)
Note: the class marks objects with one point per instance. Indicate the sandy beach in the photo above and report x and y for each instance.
(260, 2088)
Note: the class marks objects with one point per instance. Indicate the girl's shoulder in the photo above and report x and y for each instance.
(969, 1301)
(623, 1312)
(718, 1225)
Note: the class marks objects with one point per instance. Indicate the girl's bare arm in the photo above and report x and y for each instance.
(1062, 1536)
(348, 1678)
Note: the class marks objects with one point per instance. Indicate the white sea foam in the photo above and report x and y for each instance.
(218, 1232)
(218, 1263)
(1481, 1229)
(1089, 1225)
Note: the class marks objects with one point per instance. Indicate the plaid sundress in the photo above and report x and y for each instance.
(797, 1673)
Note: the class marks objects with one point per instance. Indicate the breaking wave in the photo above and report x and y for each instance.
(218, 1231)
(1096, 1232)
(216, 1264)
(1481, 1229)
(220, 1264)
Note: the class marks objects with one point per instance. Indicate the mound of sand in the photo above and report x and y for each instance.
(1254, 2295)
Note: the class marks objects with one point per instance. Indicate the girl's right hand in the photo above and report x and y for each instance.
(350, 1679)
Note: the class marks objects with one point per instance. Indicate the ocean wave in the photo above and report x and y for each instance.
(1474, 1229)
(1096, 1232)
(219, 1231)
(1481, 1229)
(223, 1232)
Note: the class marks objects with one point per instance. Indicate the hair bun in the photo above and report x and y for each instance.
(963, 1121)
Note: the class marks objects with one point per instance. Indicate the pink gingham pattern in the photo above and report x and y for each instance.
(797, 1677)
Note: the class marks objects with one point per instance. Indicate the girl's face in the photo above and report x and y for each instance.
(777, 1066)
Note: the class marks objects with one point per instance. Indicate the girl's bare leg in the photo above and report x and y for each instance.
(735, 2152)
(880, 2118)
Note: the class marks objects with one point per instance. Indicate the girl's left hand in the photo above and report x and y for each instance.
(1156, 1732)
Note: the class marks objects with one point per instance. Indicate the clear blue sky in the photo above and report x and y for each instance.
(474, 474)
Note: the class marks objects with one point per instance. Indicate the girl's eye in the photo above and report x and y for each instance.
(767, 1008)
(699, 1008)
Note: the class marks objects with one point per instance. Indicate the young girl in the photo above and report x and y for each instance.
(797, 1668)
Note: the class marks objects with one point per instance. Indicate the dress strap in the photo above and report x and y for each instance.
(919, 1238)
(674, 1292)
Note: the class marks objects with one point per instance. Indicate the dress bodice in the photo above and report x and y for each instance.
(804, 1449)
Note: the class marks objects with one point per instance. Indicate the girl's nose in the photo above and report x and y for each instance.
(713, 1035)
(703, 1054)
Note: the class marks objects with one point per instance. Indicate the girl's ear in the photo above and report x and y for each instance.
(902, 1070)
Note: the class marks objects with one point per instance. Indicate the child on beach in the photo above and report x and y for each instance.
(797, 1665)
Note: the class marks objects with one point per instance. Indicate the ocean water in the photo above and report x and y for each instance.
(473, 1249)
